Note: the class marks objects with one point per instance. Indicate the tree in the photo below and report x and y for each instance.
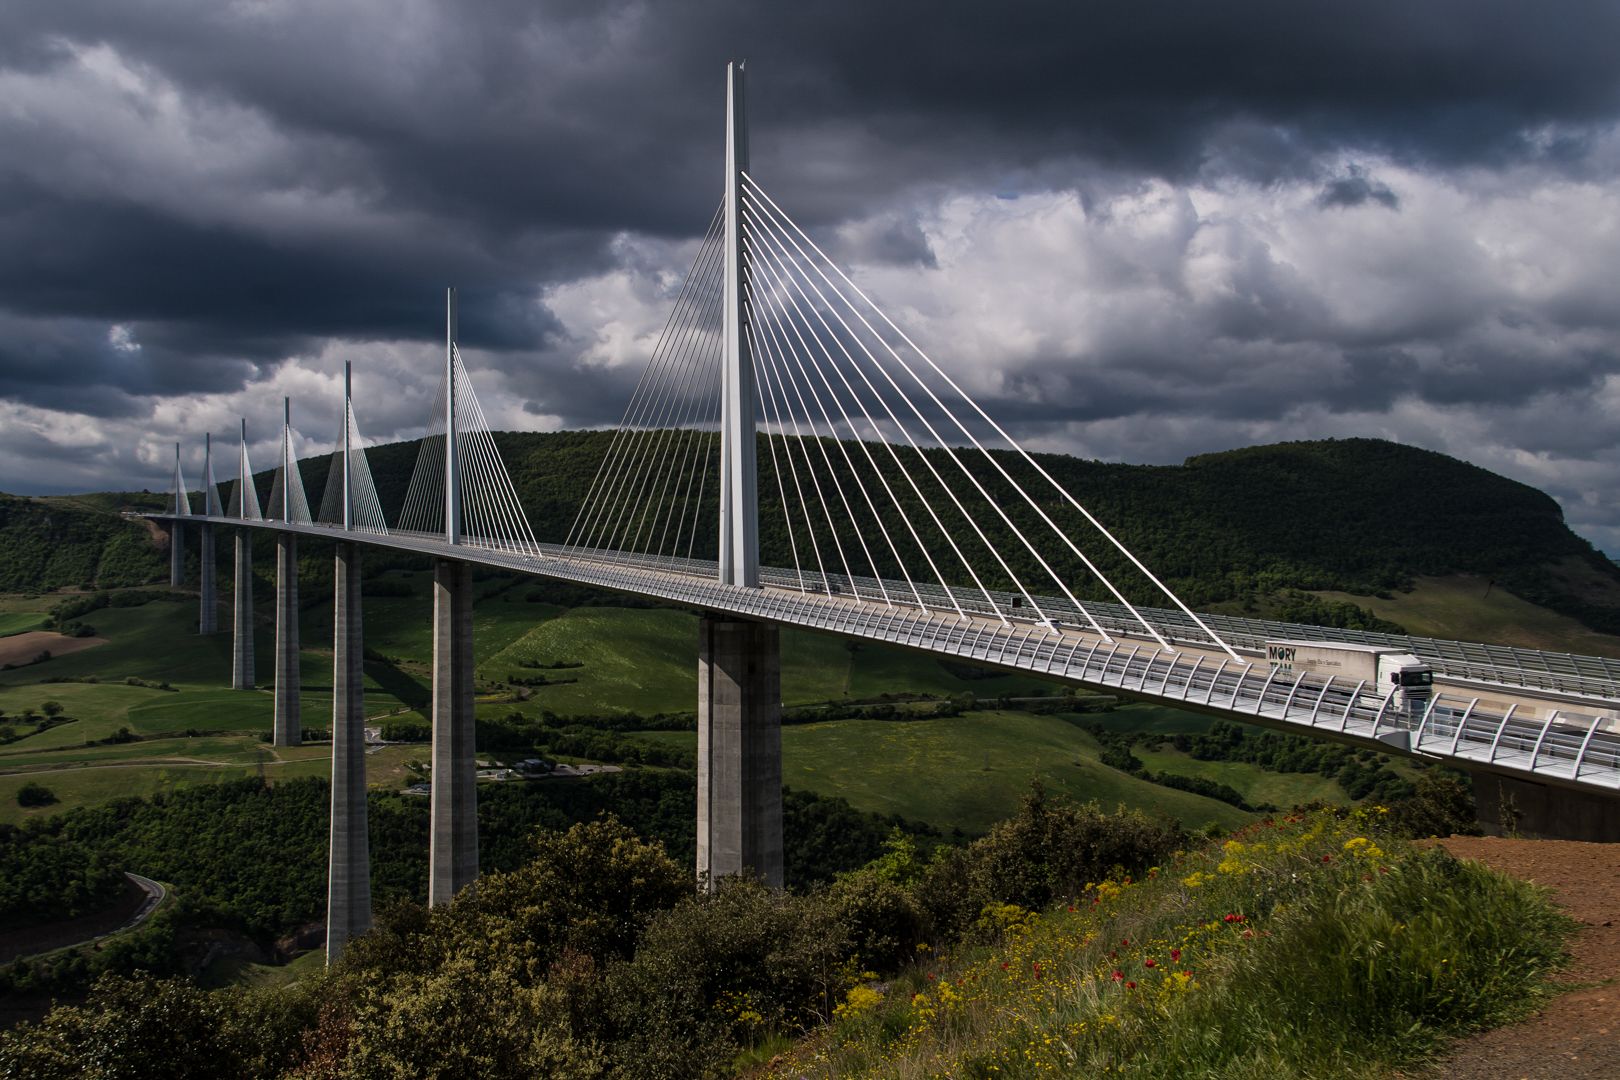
(35, 794)
(51, 708)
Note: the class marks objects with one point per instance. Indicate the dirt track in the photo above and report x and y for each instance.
(1577, 1036)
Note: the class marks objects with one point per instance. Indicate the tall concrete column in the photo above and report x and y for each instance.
(208, 609)
(177, 553)
(242, 604)
(289, 726)
(453, 849)
(1508, 805)
(739, 823)
(348, 882)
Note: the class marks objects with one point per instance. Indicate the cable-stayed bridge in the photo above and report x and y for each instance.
(897, 510)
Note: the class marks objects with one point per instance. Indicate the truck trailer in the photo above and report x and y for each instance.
(1386, 670)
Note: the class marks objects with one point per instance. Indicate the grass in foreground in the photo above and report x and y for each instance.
(1311, 947)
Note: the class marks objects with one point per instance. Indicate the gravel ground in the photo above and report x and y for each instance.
(1577, 1036)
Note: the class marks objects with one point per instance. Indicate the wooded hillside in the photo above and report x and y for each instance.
(1360, 515)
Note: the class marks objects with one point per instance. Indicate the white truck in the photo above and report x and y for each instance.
(1385, 669)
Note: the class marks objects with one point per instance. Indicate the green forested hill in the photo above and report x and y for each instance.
(1361, 515)
(77, 540)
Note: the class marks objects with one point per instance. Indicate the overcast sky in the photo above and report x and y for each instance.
(1141, 231)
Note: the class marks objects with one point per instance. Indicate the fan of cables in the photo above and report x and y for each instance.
(879, 477)
(491, 515)
(365, 510)
(656, 493)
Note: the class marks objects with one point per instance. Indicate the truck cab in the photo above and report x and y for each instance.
(1409, 679)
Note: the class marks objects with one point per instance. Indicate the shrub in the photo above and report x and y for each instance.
(51, 708)
(1045, 853)
(588, 889)
(35, 794)
(1442, 806)
(132, 1027)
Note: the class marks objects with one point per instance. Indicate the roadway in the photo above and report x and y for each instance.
(1516, 712)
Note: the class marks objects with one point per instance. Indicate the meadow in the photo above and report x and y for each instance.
(966, 772)
(1466, 607)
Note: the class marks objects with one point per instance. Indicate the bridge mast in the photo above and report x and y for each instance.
(739, 496)
(452, 471)
(739, 827)
(348, 408)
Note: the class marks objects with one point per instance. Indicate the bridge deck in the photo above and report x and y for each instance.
(1567, 748)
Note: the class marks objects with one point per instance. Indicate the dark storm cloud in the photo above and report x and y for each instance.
(207, 199)
(506, 141)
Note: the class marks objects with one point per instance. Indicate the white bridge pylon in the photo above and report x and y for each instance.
(460, 489)
(880, 465)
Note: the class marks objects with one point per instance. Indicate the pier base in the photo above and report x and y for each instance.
(348, 882)
(453, 848)
(1511, 806)
(739, 750)
(242, 610)
(208, 606)
(289, 728)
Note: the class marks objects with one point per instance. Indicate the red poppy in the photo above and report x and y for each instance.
(1004, 967)
(1071, 909)
(1113, 956)
(1130, 986)
(1118, 975)
(1175, 954)
(1327, 858)
(930, 975)
(1148, 964)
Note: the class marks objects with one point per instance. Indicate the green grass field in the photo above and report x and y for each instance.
(20, 622)
(971, 770)
(95, 774)
(644, 660)
(1458, 608)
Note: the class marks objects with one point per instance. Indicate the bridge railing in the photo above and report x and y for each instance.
(1584, 676)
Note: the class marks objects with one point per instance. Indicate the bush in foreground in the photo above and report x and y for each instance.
(1315, 947)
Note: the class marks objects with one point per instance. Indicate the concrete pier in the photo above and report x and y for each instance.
(348, 883)
(177, 553)
(288, 723)
(739, 750)
(1511, 806)
(208, 607)
(242, 609)
(453, 848)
